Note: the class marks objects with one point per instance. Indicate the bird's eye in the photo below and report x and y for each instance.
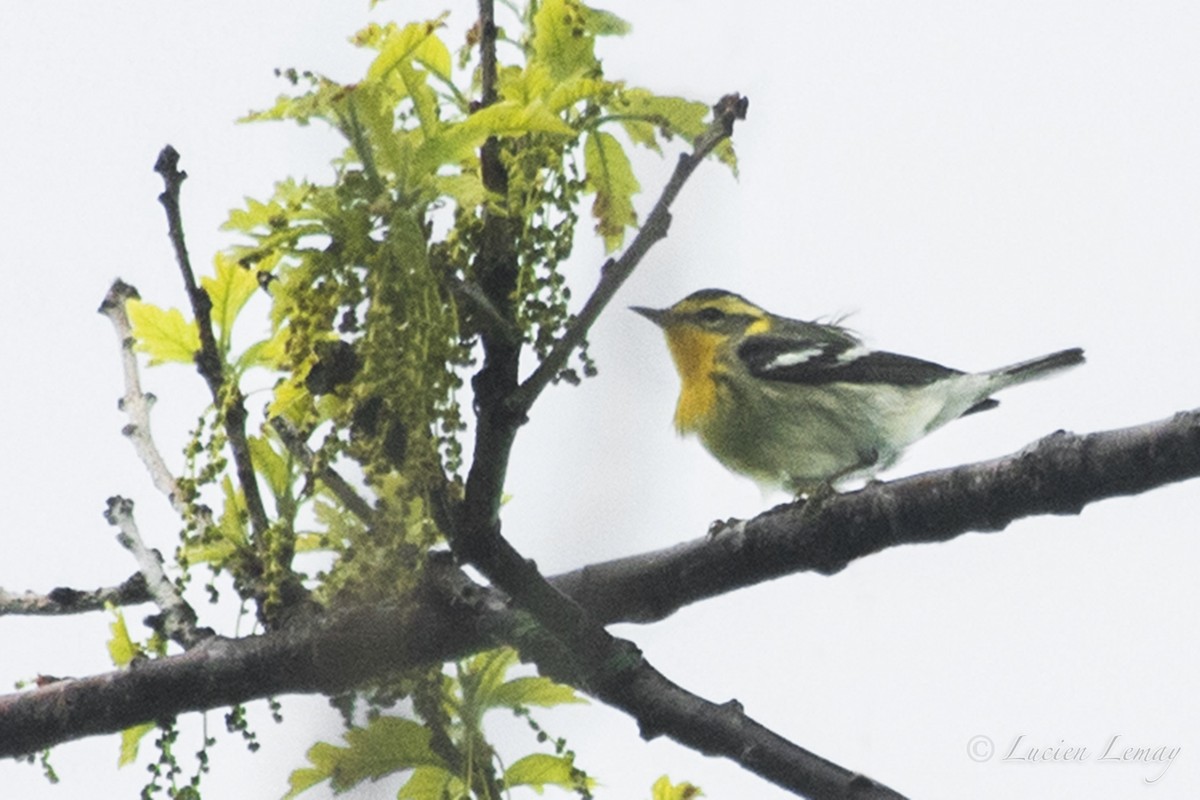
(710, 314)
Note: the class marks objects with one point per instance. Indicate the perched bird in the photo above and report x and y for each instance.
(804, 405)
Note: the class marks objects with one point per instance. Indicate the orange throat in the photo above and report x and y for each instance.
(694, 352)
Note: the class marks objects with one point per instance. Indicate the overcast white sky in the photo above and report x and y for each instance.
(978, 183)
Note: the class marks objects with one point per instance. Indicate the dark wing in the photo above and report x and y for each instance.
(841, 361)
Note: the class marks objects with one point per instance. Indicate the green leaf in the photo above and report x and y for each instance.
(488, 670)
(310, 543)
(399, 51)
(457, 142)
(565, 94)
(605, 23)
(431, 783)
(229, 290)
(130, 738)
(664, 790)
(533, 691)
(223, 539)
(269, 353)
(271, 465)
(232, 522)
(301, 780)
(646, 115)
(507, 118)
(231, 527)
(466, 190)
(385, 746)
(121, 648)
(292, 401)
(415, 42)
(208, 552)
(610, 177)
(164, 335)
(541, 769)
(287, 203)
(320, 102)
(255, 215)
(565, 34)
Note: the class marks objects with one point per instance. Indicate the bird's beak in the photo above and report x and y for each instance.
(656, 315)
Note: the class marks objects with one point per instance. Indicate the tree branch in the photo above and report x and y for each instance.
(135, 403)
(341, 488)
(228, 400)
(178, 620)
(64, 600)
(1060, 474)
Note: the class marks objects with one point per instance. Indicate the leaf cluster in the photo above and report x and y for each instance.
(446, 754)
(368, 288)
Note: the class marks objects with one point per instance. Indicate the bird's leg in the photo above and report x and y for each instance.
(816, 496)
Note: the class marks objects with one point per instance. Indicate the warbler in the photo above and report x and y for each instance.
(805, 405)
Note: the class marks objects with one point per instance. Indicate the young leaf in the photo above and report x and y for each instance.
(564, 36)
(207, 552)
(164, 335)
(130, 738)
(292, 401)
(272, 466)
(121, 648)
(488, 670)
(269, 353)
(232, 522)
(458, 142)
(663, 790)
(610, 176)
(414, 42)
(386, 745)
(539, 769)
(533, 691)
(431, 783)
(672, 116)
(229, 290)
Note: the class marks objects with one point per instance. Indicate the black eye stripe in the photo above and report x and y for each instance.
(710, 314)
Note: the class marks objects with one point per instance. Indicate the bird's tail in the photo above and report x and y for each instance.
(1036, 368)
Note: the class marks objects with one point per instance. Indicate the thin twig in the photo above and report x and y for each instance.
(178, 621)
(135, 403)
(726, 112)
(208, 361)
(63, 600)
(229, 402)
(341, 488)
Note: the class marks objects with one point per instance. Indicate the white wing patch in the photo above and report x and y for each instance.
(792, 358)
(852, 354)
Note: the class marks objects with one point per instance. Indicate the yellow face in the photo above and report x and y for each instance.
(696, 328)
(693, 350)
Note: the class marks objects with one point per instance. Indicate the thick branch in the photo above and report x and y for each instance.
(328, 655)
(1060, 474)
